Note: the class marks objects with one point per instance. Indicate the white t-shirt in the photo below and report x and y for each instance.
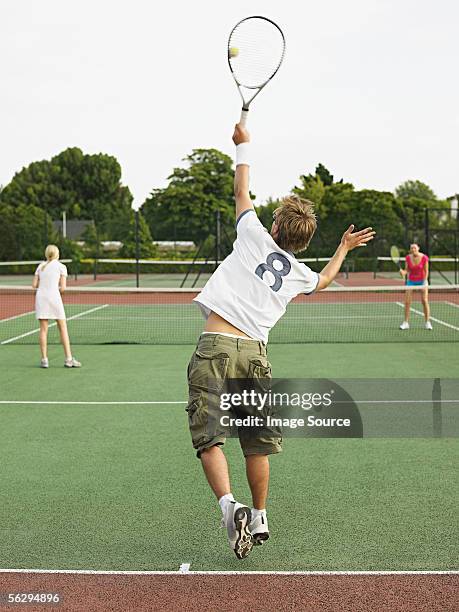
(48, 300)
(253, 285)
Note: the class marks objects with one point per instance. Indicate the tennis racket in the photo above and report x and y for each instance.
(395, 256)
(256, 48)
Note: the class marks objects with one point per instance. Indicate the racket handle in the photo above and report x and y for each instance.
(243, 119)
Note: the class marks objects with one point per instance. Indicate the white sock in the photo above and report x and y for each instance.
(256, 513)
(225, 500)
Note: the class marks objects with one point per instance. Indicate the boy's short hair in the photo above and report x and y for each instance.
(296, 222)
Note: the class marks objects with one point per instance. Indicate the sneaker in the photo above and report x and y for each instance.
(44, 363)
(236, 520)
(72, 363)
(405, 325)
(428, 325)
(259, 529)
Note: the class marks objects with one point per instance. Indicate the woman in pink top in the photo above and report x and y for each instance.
(417, 271)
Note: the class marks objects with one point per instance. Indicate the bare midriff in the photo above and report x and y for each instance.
(215, 323)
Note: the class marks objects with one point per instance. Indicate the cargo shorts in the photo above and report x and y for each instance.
(216, 359)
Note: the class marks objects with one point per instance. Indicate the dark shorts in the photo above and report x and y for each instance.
(216, 359)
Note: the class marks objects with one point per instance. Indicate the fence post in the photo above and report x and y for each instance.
(46, 229)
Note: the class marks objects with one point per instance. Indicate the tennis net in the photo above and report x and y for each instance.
(158, 316)
(20, 272)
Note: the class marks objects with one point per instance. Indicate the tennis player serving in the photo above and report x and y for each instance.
(241, 302)
(50, 280)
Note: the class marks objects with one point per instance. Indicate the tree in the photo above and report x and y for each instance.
(118, 224)
(146, 247)
(91, 240)
(84, 186)
(312, 188)
(415, 189)
(333, 216)
(69, 249)
(23, 232)
(324, 175)
(185, 209)
(417, 201)
(343, 205)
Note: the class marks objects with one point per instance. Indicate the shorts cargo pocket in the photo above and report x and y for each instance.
(197, 418)
(260, 371)
(201, 421)
(208, 371)
(193, 405)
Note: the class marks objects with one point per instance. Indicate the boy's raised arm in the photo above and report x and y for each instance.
(241, 139)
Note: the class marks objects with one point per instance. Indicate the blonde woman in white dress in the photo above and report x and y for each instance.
(50, 280)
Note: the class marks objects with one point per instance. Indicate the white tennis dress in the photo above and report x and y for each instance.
(48, 300)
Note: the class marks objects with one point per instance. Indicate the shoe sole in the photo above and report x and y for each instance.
(244, 541)
(260, 538)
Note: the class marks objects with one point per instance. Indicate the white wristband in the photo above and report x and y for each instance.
(243, 154)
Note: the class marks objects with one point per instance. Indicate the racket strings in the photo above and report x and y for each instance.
(260, 49)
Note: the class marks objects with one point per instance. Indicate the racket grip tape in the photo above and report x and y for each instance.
(243, 119)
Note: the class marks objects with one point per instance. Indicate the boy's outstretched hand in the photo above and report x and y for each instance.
(357, 239)
(240, 134)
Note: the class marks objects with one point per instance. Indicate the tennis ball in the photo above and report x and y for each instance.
(233, 52)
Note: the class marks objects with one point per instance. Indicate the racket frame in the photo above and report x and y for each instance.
(246, 103)
(395, 258)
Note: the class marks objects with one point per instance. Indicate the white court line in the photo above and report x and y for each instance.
(231, 573)
(70, 403)
(35, 331)
(452, 304)
(24, 314)
(181, 402)
(431, 318)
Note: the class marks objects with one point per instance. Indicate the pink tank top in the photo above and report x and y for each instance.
(416, 272)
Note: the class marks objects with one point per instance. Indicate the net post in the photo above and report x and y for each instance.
(137, 264)
(455, 258)
(427, 235)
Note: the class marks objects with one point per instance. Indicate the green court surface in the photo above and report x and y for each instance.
(113, 485)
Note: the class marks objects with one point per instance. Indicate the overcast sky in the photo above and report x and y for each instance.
(370, 88)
